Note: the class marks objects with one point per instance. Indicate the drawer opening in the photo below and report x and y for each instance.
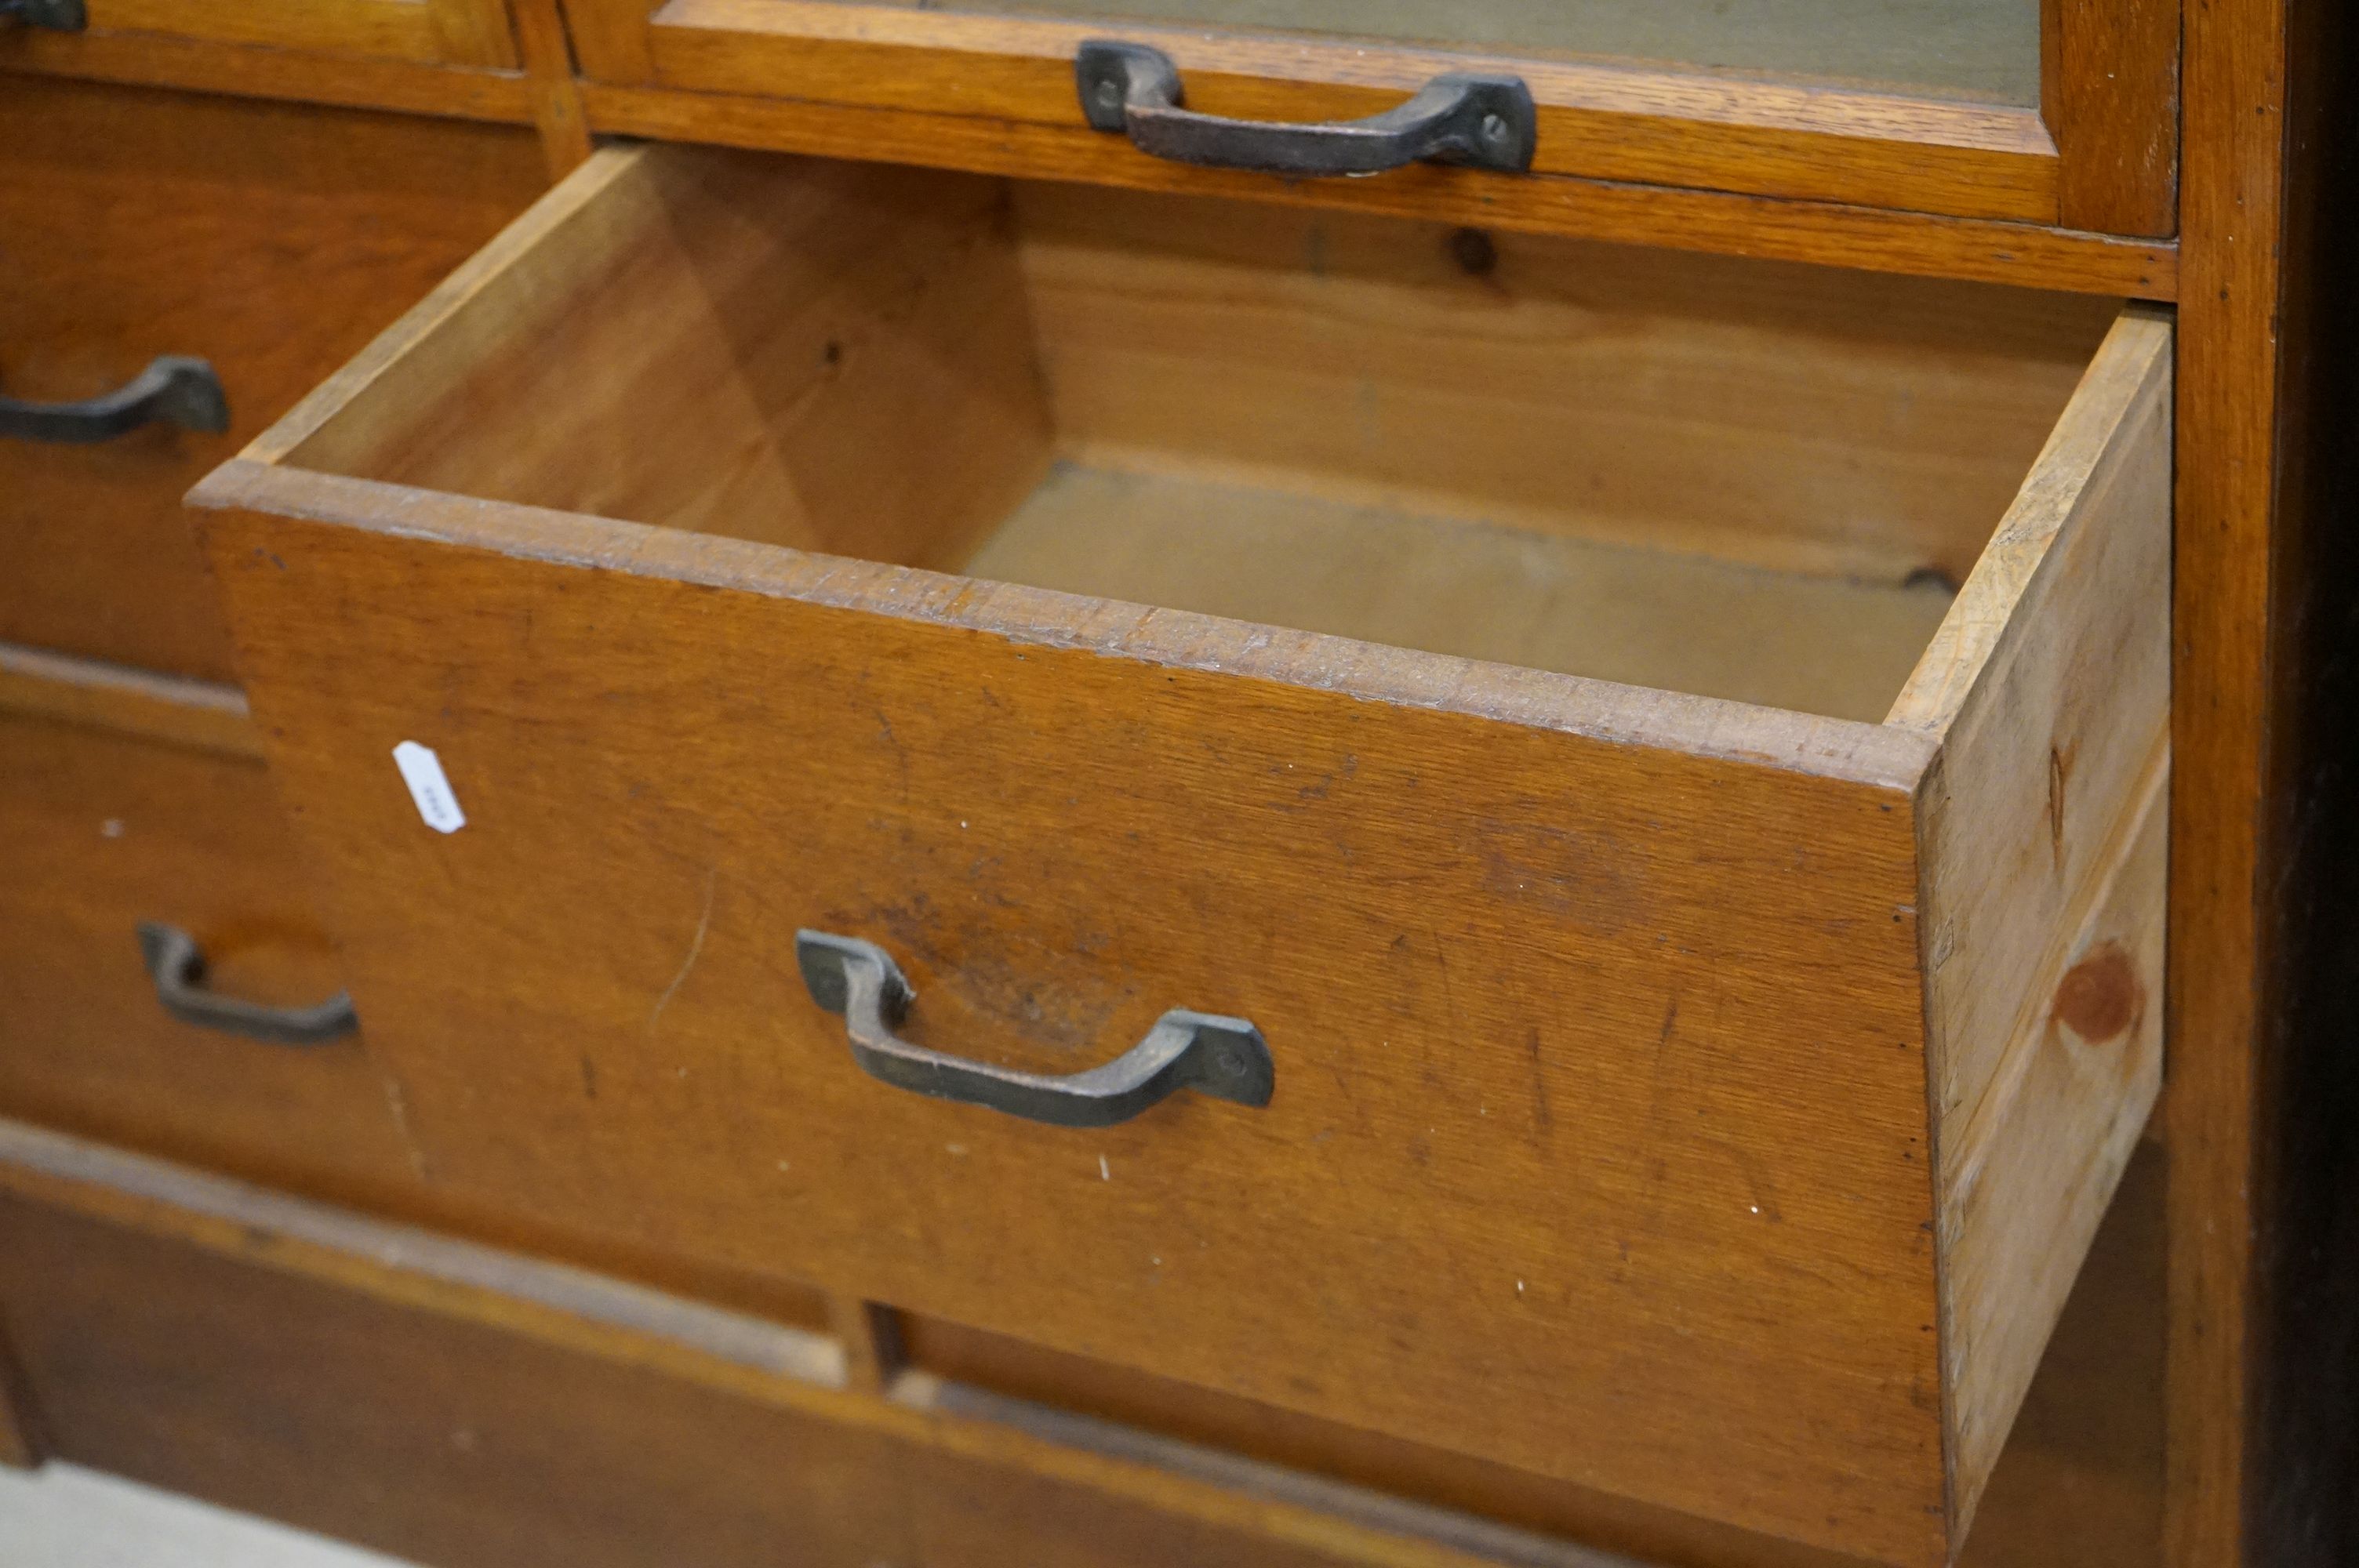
(1736, 480)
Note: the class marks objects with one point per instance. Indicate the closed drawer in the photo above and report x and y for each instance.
(268, 240)
(428, 32)
(103, 832)
(1942, 111)
(1709, 971)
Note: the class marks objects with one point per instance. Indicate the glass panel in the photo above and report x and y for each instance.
(1987, 50)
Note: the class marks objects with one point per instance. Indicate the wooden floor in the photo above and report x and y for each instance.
(66, 1517)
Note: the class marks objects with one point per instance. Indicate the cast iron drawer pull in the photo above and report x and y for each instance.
(177, 964)
(1487, 120)
(59, 15)
(1223, 1057)
(173, 388)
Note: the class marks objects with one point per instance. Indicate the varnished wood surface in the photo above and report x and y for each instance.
(438, 1399)
(1977, 249)
(1316, 793)
(2233, 531)
(203, 714)
(272, 241)
(1756, 136)
(1109, 691)
(2265, 1272)
(557, 97)
(205, 65)
(102, 831)
(451, 32)
(339, 1368)
(2109, 92)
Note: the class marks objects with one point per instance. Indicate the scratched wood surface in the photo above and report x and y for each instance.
(273, 241)
(1064, 815)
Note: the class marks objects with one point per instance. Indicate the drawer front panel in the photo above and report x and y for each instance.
(101, 832)
(1639, 1117)
(1549, 1165)
(271, 242)
(430, 32)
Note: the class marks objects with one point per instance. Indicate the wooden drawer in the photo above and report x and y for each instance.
(430, 32)
(461, 1406)
(1701, 1090)
(101, 832)
(270, 241)
(2063, 114)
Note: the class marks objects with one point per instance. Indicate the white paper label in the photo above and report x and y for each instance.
(421, 770)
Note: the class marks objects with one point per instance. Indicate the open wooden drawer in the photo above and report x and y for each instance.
(1702, 1089)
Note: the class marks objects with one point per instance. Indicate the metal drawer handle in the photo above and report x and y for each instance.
(173, 388)
(1487, 120)
(59, 15)
(1225, 1057)
(177, 964)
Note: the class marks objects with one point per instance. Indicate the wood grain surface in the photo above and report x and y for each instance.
(101, 831)
(2265, 1271)
(679, 1000)
(1758, 136)
(2109, 93)
(1830, 234)
(258, 71)
(2233, 529)
(459, 1404)
(206, 715)
(331, 1422)
(616, 694)
(273, 241)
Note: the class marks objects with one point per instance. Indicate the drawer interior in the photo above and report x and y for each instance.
(1755, 481)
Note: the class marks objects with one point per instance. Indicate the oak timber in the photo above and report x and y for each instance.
(1980, 250)
(2263, 1290)
(2109, 92)
(272, 241)
(476, 1355)
(621, 694)
(1320, 792)
(203, 714)
(101, 831)
(233, 1311)
(1817, 142)
(2049, 683)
